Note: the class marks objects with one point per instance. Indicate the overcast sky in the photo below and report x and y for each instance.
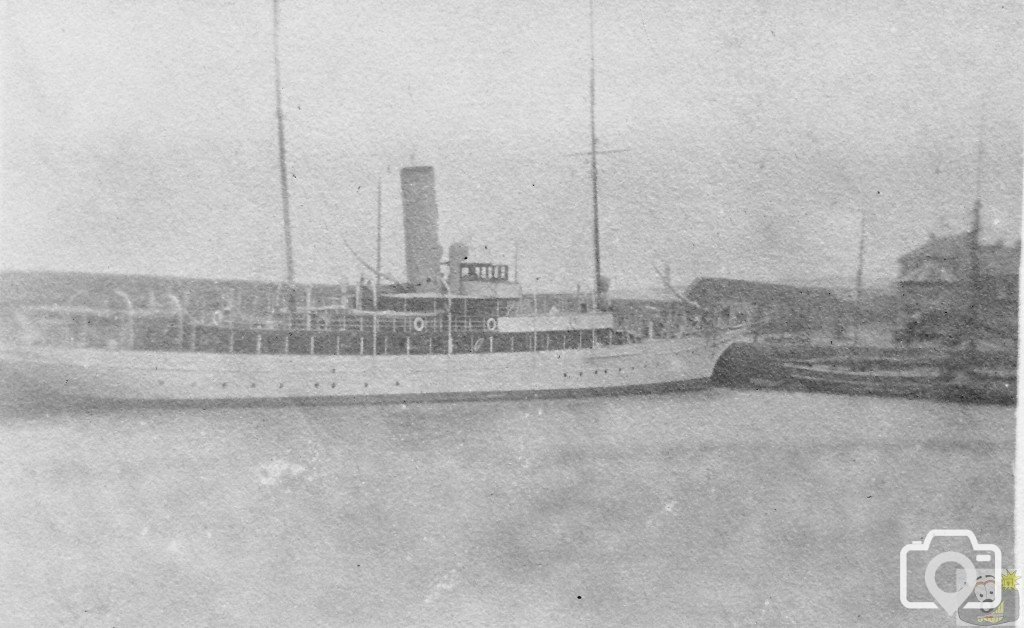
(140, 136)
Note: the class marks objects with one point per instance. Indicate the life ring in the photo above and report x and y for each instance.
(492, 324)
(418, 323)
(218, 317)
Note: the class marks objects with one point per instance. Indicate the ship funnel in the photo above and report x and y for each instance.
(422, 249)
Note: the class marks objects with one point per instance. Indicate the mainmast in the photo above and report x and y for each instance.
(593, 166)
(282, 164)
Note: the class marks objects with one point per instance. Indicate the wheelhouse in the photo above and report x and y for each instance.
(474, 271)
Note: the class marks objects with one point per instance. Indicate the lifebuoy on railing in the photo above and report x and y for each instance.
(418, 323)
(492, 324)
(218, 317)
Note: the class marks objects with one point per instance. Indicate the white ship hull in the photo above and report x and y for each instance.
(98, 375)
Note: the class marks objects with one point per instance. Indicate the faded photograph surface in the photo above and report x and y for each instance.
(556, 313)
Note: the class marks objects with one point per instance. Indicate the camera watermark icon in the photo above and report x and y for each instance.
(982, 557)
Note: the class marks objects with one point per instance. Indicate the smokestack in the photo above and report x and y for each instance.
(422, 249)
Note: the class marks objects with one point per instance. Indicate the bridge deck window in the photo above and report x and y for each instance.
(486, 272)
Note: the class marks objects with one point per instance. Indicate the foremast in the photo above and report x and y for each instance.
(598, 284)
(283, 167)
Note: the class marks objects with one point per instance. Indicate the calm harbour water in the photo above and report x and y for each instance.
(714, 507)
